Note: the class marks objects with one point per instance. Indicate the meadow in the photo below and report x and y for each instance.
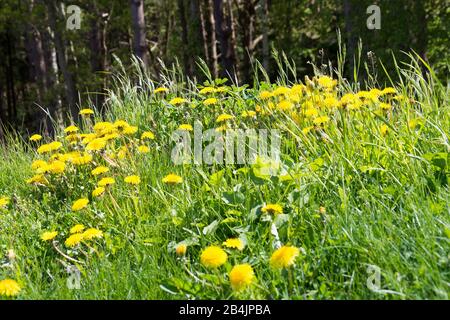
(358, 206)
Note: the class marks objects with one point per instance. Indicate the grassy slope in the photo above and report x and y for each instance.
(385, 207)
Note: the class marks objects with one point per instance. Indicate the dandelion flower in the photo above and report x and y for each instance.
(49, 235)
(284, 257)
(96, 144)
(224, 117)
(176, 101)
(9, 288)
(74, 239)
(147, 135)
(81, 159)
(207, 90)
(185, 127)
(384, 129)
(85, 112)
(210, 101)
(130, 130)
(4, 201)
(71, 129)
(272, 209)
(235, 243)
(92, 233)
(132, 180)
(80, 204)
(97, 192)
(213, 257)
(106, 182)
(265, 95)
(35, 137)
(326, 82)
(99, 170)
(57, 167)
(321, 120)
(241, 276)
(77, 229)
(160, 89)
(38, 164)
(172, 179)
(181, 249)
(143, 149)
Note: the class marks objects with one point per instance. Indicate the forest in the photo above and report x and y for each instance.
(57, 57)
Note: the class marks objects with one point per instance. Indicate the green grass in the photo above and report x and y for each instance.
(386, 198)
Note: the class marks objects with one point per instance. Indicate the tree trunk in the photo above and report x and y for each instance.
(246, 18)
(213, 38)
(184, 37)
(69, 83)
(224, 34)
(138, 21)
(204, 35)
(265, 31)
(349, 32)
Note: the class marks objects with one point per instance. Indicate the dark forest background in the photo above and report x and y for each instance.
(45, 66)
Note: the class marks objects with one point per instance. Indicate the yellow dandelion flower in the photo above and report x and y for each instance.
(213, 257)
(285, 105)
(9, 288)
(241, 276)
(265, 95)
(160, 89)
(38, 164)
(35, 137)
(71, 129)
(92, 233)
(185, 127)
(311, 112)
(210, 101)
(234, 243)
(284, 257)
(97, 192)
(272, 209)
(147, 135)
(132, 180)
(57, 167)
(81, 159)
(85, 112)
(80, 204)
(37, 179)
(181, 249)
(248, 114)
(176, 101)
(143, 149)
(321, 120)
(49, 235)
(96, 145)
(388, 90)
(4, 201)
(74, 239)
(207, 90)
(121, 124)
(281, 91)
(224, 117)
(77, 228)
(172, 179)
(385, 106)
(384, 129)
(99, 170)
(106, 182)
(326, 82)
(130, 130)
